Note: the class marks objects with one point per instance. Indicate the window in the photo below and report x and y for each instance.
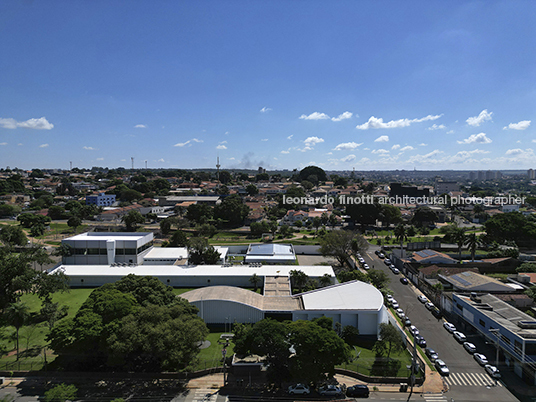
(93, 251)
(460, 307)
(130, 251)
(481, 322)
(518, 347)
(505, 339)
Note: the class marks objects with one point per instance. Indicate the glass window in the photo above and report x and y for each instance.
(93, 251)
(130, 251)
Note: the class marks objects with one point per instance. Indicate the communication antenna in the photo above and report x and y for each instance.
(218, 169)
(132, 159)
(145, 164)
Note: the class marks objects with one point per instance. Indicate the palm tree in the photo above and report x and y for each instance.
(255, 279)
(16, 315)
(459, 237)
(472, 243)
(325, 280)
(298, 278)
(401, 235)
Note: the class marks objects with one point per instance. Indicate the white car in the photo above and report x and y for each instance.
(469, 347)
(387, 261)
(430, 306)
(366, 267)
(299, 389)
(413, 329)
(400, 313)
(395, 271)
(459, 336)
(422, 298)
(481, 359)
(442, 367)
(449, 327)
(331, 390)
(361, 260)
(492, 371)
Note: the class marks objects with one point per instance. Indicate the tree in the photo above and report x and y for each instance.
(401, 235)
(232, 210)
(132, 219)
(378, 278)
(337, 243)
(526, 267)
(424, 215)
(459, 237)
(255, 280)
(73, 222)
(200, 252)
(165, 226)
(472, 243)
(178, 239)
(252, 189)
(512, 226)
(390, 214)
(16, 276)
(317, 222)
(325, 280)
(298, 279)
(225, 177)
(350, 335)
(56, 212)
(61, 393)
(364, 213)
(199, 213)
(312, 173)
(390, 341)
(13, 236)
(16, 315)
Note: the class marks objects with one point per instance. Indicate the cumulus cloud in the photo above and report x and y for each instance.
(407, 148)
(348, 158)
(522, 125)
(380, 151)
(396, 146)
(43, 146)
(35, 124)
(265, 109)
(100, 159)
(426, 157)
(476, 138)
(315, 116)
(89, 148)
(140, 126)
(422, 144)
(376, 123)
(450, 132)
(343, 116)
(463, 155)
(437, 127)
(290, 137)
(516, 151)
(312, 141)
(221, 147)
(286, 152)
(187, 143)
(3, 143)
(383, 138)
(347, 145)
(481, 118)
(161, 160)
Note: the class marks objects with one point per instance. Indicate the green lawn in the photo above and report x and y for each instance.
(212, 356)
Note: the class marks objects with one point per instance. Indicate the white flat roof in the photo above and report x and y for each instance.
(109, 236)
(344, 296)
(194, 270)
(167, 252)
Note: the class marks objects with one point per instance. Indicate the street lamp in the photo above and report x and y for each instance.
(496, 332)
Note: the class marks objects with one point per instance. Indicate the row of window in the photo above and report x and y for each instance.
(118, 251)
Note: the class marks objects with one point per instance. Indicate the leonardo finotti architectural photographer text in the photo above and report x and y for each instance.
(405, 200)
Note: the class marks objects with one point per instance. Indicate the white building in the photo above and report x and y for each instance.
(270, 254)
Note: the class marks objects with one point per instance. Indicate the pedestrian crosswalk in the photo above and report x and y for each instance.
(204, 395)
(435, 398)
(471, 379)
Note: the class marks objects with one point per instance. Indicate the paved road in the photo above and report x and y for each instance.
(467, 379)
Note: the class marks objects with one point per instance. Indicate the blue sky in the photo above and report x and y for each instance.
(370, 85)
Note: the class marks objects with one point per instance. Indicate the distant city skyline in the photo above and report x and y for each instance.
(370, 85)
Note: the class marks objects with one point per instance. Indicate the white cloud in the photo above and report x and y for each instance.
(522, 125)
(429, 157)
(312, 141)
(222, 142)
(347, 145)
(286, 152)
(161, 160)
(221, 147)
(343, 116)
(20, 144)
(478, 138)
(189, 143)
(315, 116)
(43, 146)
(422, 144)
(450, 132)
(407, 148)
(376, 123)
(36, 124)
(265, 109)
(533, 140)
(380, 151)
(437, 127)
(290, 137)
(383, 138)
(348, 158)
(396, 146)
(264, 139)
(517, 151)
(100, 159)
(3, 143)
(463, 155)
(481, 118)
(141, 126)
(89, 148)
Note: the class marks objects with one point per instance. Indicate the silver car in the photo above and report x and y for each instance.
(481, 359)
(442, 367)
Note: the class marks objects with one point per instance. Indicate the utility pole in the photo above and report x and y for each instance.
(496, 332)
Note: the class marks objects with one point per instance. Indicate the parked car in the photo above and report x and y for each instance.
(432, 354)
(366, 267)
(413, 329)
(422, 298)
(481, 359)
(299, 389)
(420, 341)
(361, 260)
(381, 255)
(437, 313)
(395, 271)
(429, 305)
(400, 313)
(331, 390)
(394, 303)
(407, 322)
(387, 261)
(492, 371)
(404, 281)
(358, 390)
(449, 327)
(469, 347)
(460, 337)
(389, 298)
(442, 367)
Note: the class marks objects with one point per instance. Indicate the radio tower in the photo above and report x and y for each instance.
(218, 170)
(132, 159)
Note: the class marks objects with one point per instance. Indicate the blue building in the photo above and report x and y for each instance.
(101, 200)
(501, 323)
